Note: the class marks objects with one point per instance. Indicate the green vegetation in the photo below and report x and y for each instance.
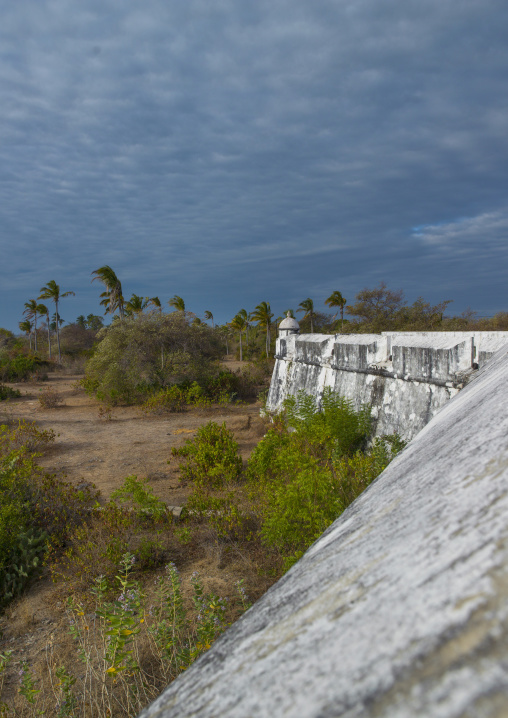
(146, 352)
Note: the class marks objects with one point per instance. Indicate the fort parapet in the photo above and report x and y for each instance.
(406, 377)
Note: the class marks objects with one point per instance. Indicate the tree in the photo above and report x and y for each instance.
(337, 300)
(240, 324)
(155, 302)
(307, 306)
(177, 303)
(244, 313)
(208, 316)
(52, 291)
(44, 312)
(31, 312)
(26, 326)
(263, 316)
(377, 308)
(135, 305)
(112, 298)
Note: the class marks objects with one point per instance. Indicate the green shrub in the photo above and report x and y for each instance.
(26, 435)
(310, 467)
(147, 352)
(165, 401)
(137, 492)
(7, 393)
(211, 457)
(22, 564)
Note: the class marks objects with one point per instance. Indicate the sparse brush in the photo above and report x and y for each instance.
(49, 398)
(129, 647)
(26, 435)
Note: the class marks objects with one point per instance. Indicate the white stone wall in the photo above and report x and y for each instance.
(400, 609)
(405, 377)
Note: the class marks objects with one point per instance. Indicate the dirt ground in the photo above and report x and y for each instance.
(104, 451)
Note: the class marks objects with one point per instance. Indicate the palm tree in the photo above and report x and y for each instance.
(208, 316)
(135, 305)
(112, 297)
(44, 312)
(26, 326)
(178, 303)
(263, 315)
(337, 300)
(244, 313)
(52, 291)
(31, 311)
(155, 302)
(307, 306)
(240, 324)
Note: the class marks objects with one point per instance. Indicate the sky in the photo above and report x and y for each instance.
(238, 152)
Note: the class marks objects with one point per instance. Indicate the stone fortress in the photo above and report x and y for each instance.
(400, 609)
(405, 377)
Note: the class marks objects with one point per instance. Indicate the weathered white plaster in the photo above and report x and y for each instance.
(405, 377)
(400, 609)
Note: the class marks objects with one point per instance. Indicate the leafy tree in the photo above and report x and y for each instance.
(177, 303)
(208, 316)
(52, 291)
(112, 298)
(337, 300)
(263, 314)
(376, 309)
(128, 362)
(307, 306)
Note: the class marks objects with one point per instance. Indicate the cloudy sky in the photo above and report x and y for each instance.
(238, 152)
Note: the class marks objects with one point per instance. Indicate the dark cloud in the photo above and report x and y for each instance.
(233, 153)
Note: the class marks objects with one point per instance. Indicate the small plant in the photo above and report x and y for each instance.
(140, 494)
(49, 398)
(105, 413)
(7, 393)
(211, 457)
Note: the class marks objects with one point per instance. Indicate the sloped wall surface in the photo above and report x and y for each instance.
(406, 377)
(400, 609)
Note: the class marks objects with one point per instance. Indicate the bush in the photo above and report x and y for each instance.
(7, 393)
(301, 480)
(26, 436)
(19, 367)
(165, 401)
(137, 492)
(49, 398)
(147, 352)
(211, 458)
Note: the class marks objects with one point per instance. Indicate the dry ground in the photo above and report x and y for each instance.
(93, 449)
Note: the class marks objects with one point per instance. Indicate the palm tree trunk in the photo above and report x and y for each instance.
(49, 340)
(342, 320)
(311, 324)
(58, 332)
(35, 332)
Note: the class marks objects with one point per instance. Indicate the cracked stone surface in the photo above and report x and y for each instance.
(400, 609)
